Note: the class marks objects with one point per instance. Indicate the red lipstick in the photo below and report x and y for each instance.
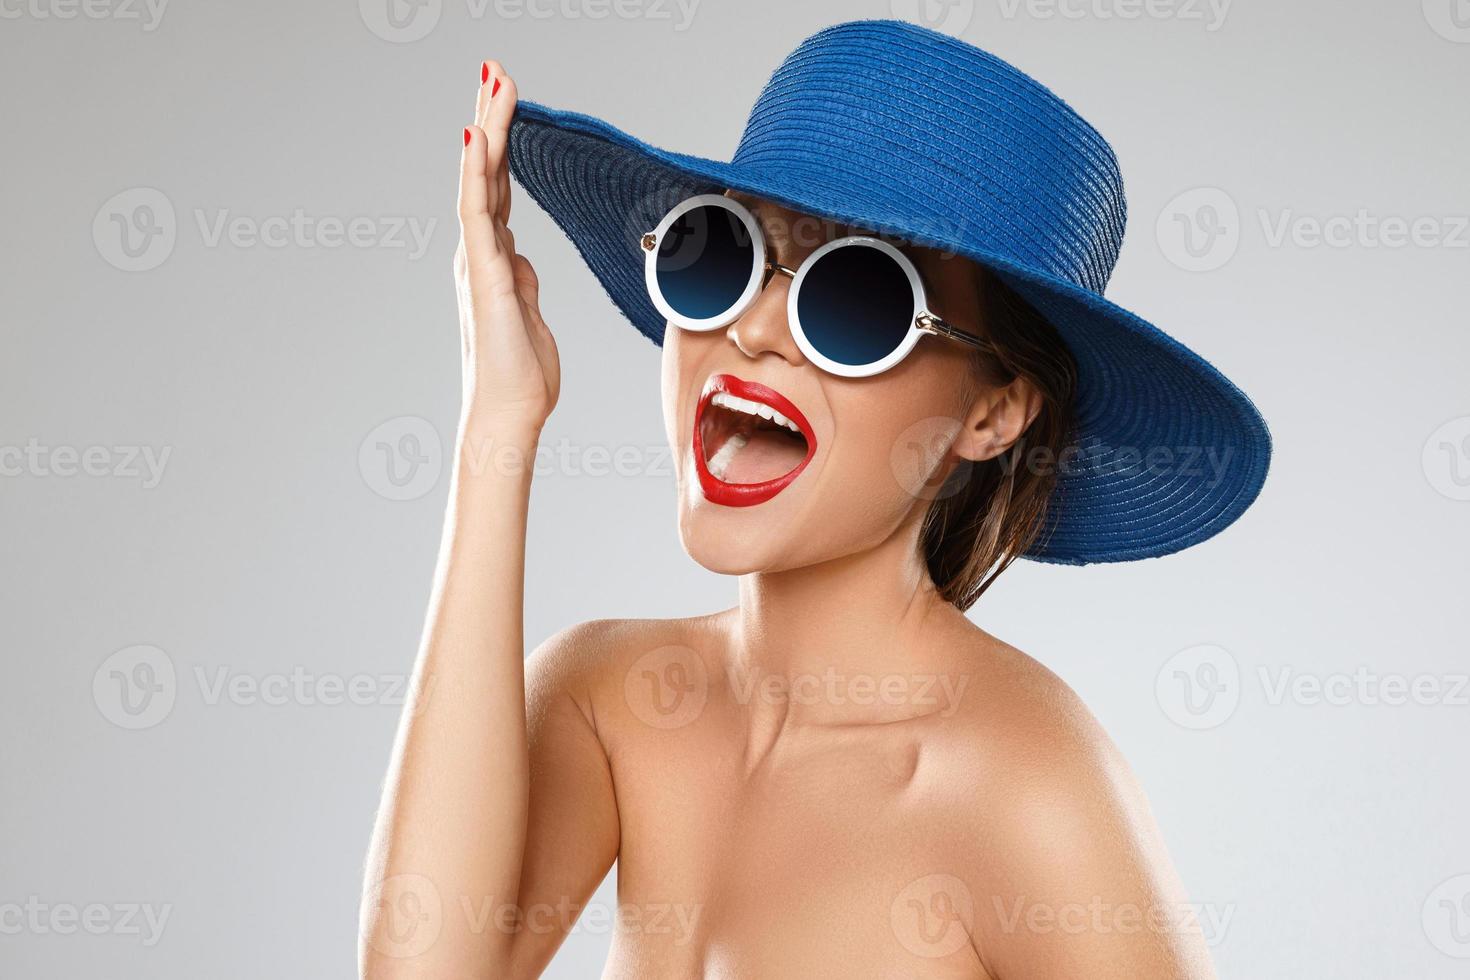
(716, 490)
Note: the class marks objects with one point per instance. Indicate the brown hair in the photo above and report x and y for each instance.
(988, 513)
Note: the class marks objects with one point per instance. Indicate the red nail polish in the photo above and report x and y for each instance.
(467, 136)
(495, 88)
(484, 72)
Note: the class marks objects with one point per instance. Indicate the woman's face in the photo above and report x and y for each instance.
(877, 446)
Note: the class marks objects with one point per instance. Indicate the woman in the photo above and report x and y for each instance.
(887, 372)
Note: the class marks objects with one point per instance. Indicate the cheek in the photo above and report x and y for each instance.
(675, 372)
(895, 443)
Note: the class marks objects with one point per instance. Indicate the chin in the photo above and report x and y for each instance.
(737, 541)
(755, 492)
(746, 469)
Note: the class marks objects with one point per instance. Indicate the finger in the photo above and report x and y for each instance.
(493, 81)
(504, 196)
(498, 113)
(488, 70)
(476, 227)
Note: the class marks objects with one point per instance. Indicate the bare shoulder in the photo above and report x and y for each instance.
(1025, 718)
(1048, 764)
(1057, 822)
(587, 660)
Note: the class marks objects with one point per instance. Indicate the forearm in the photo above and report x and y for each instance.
(453, 818)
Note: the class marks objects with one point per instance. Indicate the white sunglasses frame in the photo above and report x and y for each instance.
(924, 321)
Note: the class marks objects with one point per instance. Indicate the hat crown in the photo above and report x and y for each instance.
(933, 125)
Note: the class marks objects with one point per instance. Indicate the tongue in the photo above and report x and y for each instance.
(765, 456)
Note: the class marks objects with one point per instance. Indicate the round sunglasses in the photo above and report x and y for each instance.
(856, 306)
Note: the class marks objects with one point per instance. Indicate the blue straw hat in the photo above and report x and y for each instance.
(907, 132)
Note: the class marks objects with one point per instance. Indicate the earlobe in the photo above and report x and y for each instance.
(997, 418)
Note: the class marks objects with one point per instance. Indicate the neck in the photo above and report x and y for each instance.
(859, 613)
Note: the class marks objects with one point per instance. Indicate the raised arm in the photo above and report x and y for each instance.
(454, 852)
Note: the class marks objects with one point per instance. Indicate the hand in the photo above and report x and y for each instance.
(512, 374)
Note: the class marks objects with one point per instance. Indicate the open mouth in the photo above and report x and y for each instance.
(750, 442)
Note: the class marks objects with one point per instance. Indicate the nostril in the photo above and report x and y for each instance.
(762, 328)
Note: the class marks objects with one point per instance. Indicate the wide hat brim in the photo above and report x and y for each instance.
(1169, 451)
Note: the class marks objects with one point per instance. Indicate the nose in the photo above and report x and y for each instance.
(762, 328)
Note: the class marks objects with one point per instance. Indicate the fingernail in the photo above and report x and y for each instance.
(467, 136)
(484, 72)
(495, 88)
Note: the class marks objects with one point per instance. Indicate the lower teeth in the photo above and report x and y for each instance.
(720, 461)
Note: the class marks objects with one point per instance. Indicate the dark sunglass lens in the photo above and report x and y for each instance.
(705, 259)
(856, 305)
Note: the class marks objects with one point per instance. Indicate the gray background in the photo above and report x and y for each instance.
(1331, 834)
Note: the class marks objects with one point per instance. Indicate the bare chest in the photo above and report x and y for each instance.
(818, 853)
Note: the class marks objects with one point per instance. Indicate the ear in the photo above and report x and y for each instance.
(996, 419)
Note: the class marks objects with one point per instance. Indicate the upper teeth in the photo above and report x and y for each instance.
(735, 404)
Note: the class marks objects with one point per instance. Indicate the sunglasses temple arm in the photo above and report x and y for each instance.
(929, 323)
